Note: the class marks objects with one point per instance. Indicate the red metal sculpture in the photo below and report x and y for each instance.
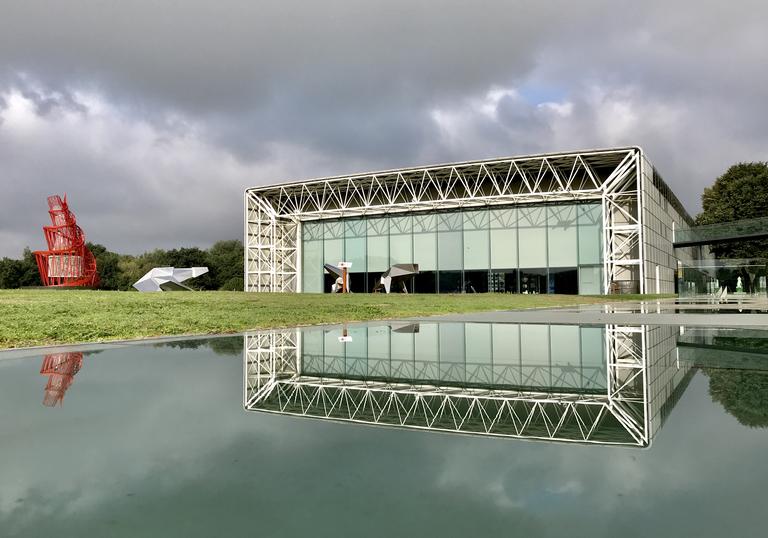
(60, 369)
(67, 262)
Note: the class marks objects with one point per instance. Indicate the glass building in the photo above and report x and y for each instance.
(588, 222)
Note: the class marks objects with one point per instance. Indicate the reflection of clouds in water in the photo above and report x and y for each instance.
(169, 432)
(129, 416)
(699, 454)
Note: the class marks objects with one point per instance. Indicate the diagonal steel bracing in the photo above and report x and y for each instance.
(273, 214)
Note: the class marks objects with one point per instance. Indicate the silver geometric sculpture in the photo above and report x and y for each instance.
(397, 274)
(168, 278)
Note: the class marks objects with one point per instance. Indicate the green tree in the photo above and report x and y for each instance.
(10, 272)
(30, 274)
(192, 257)
(742, 393)
(740, 193)
(107, 264)
(225, 262)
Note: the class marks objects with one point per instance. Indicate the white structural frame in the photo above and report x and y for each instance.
(614, 177)
(272, 371)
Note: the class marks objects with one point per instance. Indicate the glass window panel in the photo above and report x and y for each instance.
(358, 347)
(476, 220)
(357, 283)
(426, 342)
(593, 358)
(401, 240)
(333, 251)
(533, 280)
(425, 242)
(425, 282)
(449, 254)
(534, 351)
(476, 281)
(356, 351)
(506, 354)
(478, 352)
(312, 350)
(312, 231)
(503, 281)
(334, 352)
(333, 230)
(452, 358)
(378, 244)
(449, 281)
(563, 280)
(402, 343)
(503, 238)
(378, 343)
(402, 353)
(355, 228)
(354, 252)
(354, 245)
(532, 236)
(312, 266)
(449, 222)
(565, 349)
(503, 219)
(590, 280)
(449, 241)
(478, 342)
(477, 245)
(590, 233)
(402, 363)
(562, 236)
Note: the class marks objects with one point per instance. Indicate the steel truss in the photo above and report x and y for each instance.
(274, 382)
(273, 214)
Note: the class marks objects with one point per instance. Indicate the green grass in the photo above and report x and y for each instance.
(45, 317)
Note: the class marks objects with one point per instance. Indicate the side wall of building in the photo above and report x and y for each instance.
(662, 212)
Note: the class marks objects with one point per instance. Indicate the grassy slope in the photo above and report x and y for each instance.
(42, 317)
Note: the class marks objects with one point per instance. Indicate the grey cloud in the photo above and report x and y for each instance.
(343, 86)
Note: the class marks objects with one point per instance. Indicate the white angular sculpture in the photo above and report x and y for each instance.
(168, 278)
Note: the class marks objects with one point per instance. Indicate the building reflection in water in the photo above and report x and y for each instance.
(61, 369)
(591, 384)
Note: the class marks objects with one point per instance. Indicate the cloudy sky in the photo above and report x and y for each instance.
(153, 116)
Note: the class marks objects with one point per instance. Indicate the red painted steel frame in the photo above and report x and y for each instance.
(67, 262)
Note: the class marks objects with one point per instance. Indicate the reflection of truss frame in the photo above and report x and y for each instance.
(273, 214)
(273, 382)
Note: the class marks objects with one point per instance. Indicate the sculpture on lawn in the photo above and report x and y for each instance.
(168, 278)
(67, 262)
(396, 275)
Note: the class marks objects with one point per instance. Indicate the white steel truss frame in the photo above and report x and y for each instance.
(273, 214)
(273, 382)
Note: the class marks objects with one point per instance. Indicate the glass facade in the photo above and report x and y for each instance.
(509, 249)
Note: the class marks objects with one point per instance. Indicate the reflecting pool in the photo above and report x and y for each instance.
(431, 429)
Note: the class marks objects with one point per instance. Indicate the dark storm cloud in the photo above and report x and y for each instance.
(154, 116)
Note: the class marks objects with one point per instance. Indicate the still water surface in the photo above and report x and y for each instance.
(153, 440)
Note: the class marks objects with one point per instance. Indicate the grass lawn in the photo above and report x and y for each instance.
(43, 317)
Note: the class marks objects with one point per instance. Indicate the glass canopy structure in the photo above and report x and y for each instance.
(580, 222)
(589, 384)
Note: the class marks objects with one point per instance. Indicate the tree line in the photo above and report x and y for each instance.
(119, 271)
